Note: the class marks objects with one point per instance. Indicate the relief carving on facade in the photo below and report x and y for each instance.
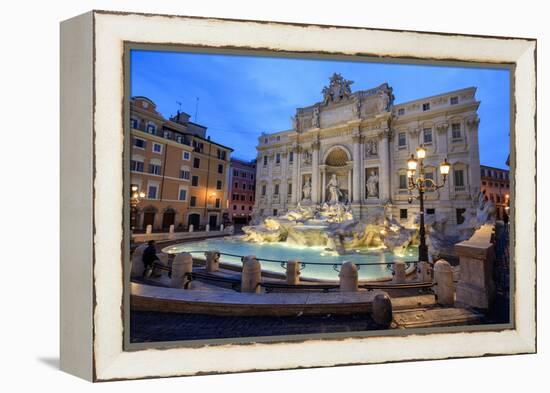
(338, 89)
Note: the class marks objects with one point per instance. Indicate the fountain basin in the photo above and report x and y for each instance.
(282, 251)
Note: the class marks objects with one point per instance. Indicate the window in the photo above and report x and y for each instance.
(221, 154)
(426, 106)
(243, 197)
(242, 207)
(460, 216)
(199, 146)
(182, 196)
(251, 198)
(291, 157)
(277, 159)
(152, 191)
(266, 140)
(179, 138)
(263, 189)
(401, 111)
(193, 201)
(275, 211)
(427, 136)
(154, 167)
(157, 148)
(498, 198)
(236, 184)
(402, 182)
(235, 172)
(454, 100)
(134, 123)
(195, 181)
(220, 168)
(218, 185)
(136, 165)
(429, 175)
(244, 186)
(289, 189)
(455, 129)
(276, 189)
(218, 203)
(140, 143)
(186, 156)
(250, 208)
(167, 134)
(402, 140)
(196, 162)
(403, 214)
(459, 179)
(185, 174)
(234, 207)
(265, 160)
(482, 172)
(151, 128)
(430, 211)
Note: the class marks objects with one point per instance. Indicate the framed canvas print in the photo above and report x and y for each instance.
(246, 195)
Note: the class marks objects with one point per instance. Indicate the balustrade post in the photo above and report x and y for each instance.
(293, 272)
(182, 264)
(251, 275)
(445, 286)
(212, 261)
(349, 277)
(399, 272)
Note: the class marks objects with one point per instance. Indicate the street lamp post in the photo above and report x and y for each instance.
(135, 198)
(421, 184)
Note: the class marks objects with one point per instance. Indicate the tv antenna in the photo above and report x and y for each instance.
(179, 104)
(196, 109)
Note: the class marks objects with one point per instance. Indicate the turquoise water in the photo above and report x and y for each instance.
(284, 252)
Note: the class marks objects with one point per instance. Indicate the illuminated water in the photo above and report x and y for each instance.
(284, 252)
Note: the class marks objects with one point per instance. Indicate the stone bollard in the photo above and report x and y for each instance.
(251, 275)
(348, 277)
(382, 309)
(399, 272)
(207, 228)
(212, 261)
(423, 272)
(293, 272)
(171, 232)
(191, 228)
(149, 229)
(221, 227)
(137, 265)
(445, 288)
(183, 263)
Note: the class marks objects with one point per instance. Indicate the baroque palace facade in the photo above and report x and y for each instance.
(183, 174)
(361, 141)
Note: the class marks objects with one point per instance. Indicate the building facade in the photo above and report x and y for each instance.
(361, 141)
(242, 190)
(183, 173)
(495, 185)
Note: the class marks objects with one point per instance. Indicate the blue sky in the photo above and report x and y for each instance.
(242, 96)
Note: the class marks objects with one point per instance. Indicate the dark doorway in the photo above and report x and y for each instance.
(240, 220)
(148, 219)
(213, 222)
(168, 218)
(194, 219)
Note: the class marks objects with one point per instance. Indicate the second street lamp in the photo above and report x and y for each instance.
(421, 183)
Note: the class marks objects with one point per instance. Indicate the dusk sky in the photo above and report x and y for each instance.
(242, 96)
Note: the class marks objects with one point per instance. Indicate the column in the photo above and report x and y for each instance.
(384, 170)
(315, 172)
(356, 196)
(351, 187)
(295, 163)
(443, 151)
(284, 180)
(323, 183)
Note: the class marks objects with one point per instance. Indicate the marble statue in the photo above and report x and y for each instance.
(306, 190)
(337, 89)
(315, 119)
(307, 157)
(294, 120)
(372, 185)
(334, 190)
(384, 102)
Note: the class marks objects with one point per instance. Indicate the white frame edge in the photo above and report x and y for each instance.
(110, 33)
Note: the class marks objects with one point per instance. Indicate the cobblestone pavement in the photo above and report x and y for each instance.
(148, 326)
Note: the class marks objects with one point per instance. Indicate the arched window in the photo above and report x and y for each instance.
(137, 163)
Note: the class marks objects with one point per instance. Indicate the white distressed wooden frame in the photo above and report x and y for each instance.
(92, 199)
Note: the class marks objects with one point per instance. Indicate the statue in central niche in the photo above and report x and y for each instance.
(334, 190)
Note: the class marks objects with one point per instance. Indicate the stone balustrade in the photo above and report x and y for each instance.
(182, 264)
(251, 275)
